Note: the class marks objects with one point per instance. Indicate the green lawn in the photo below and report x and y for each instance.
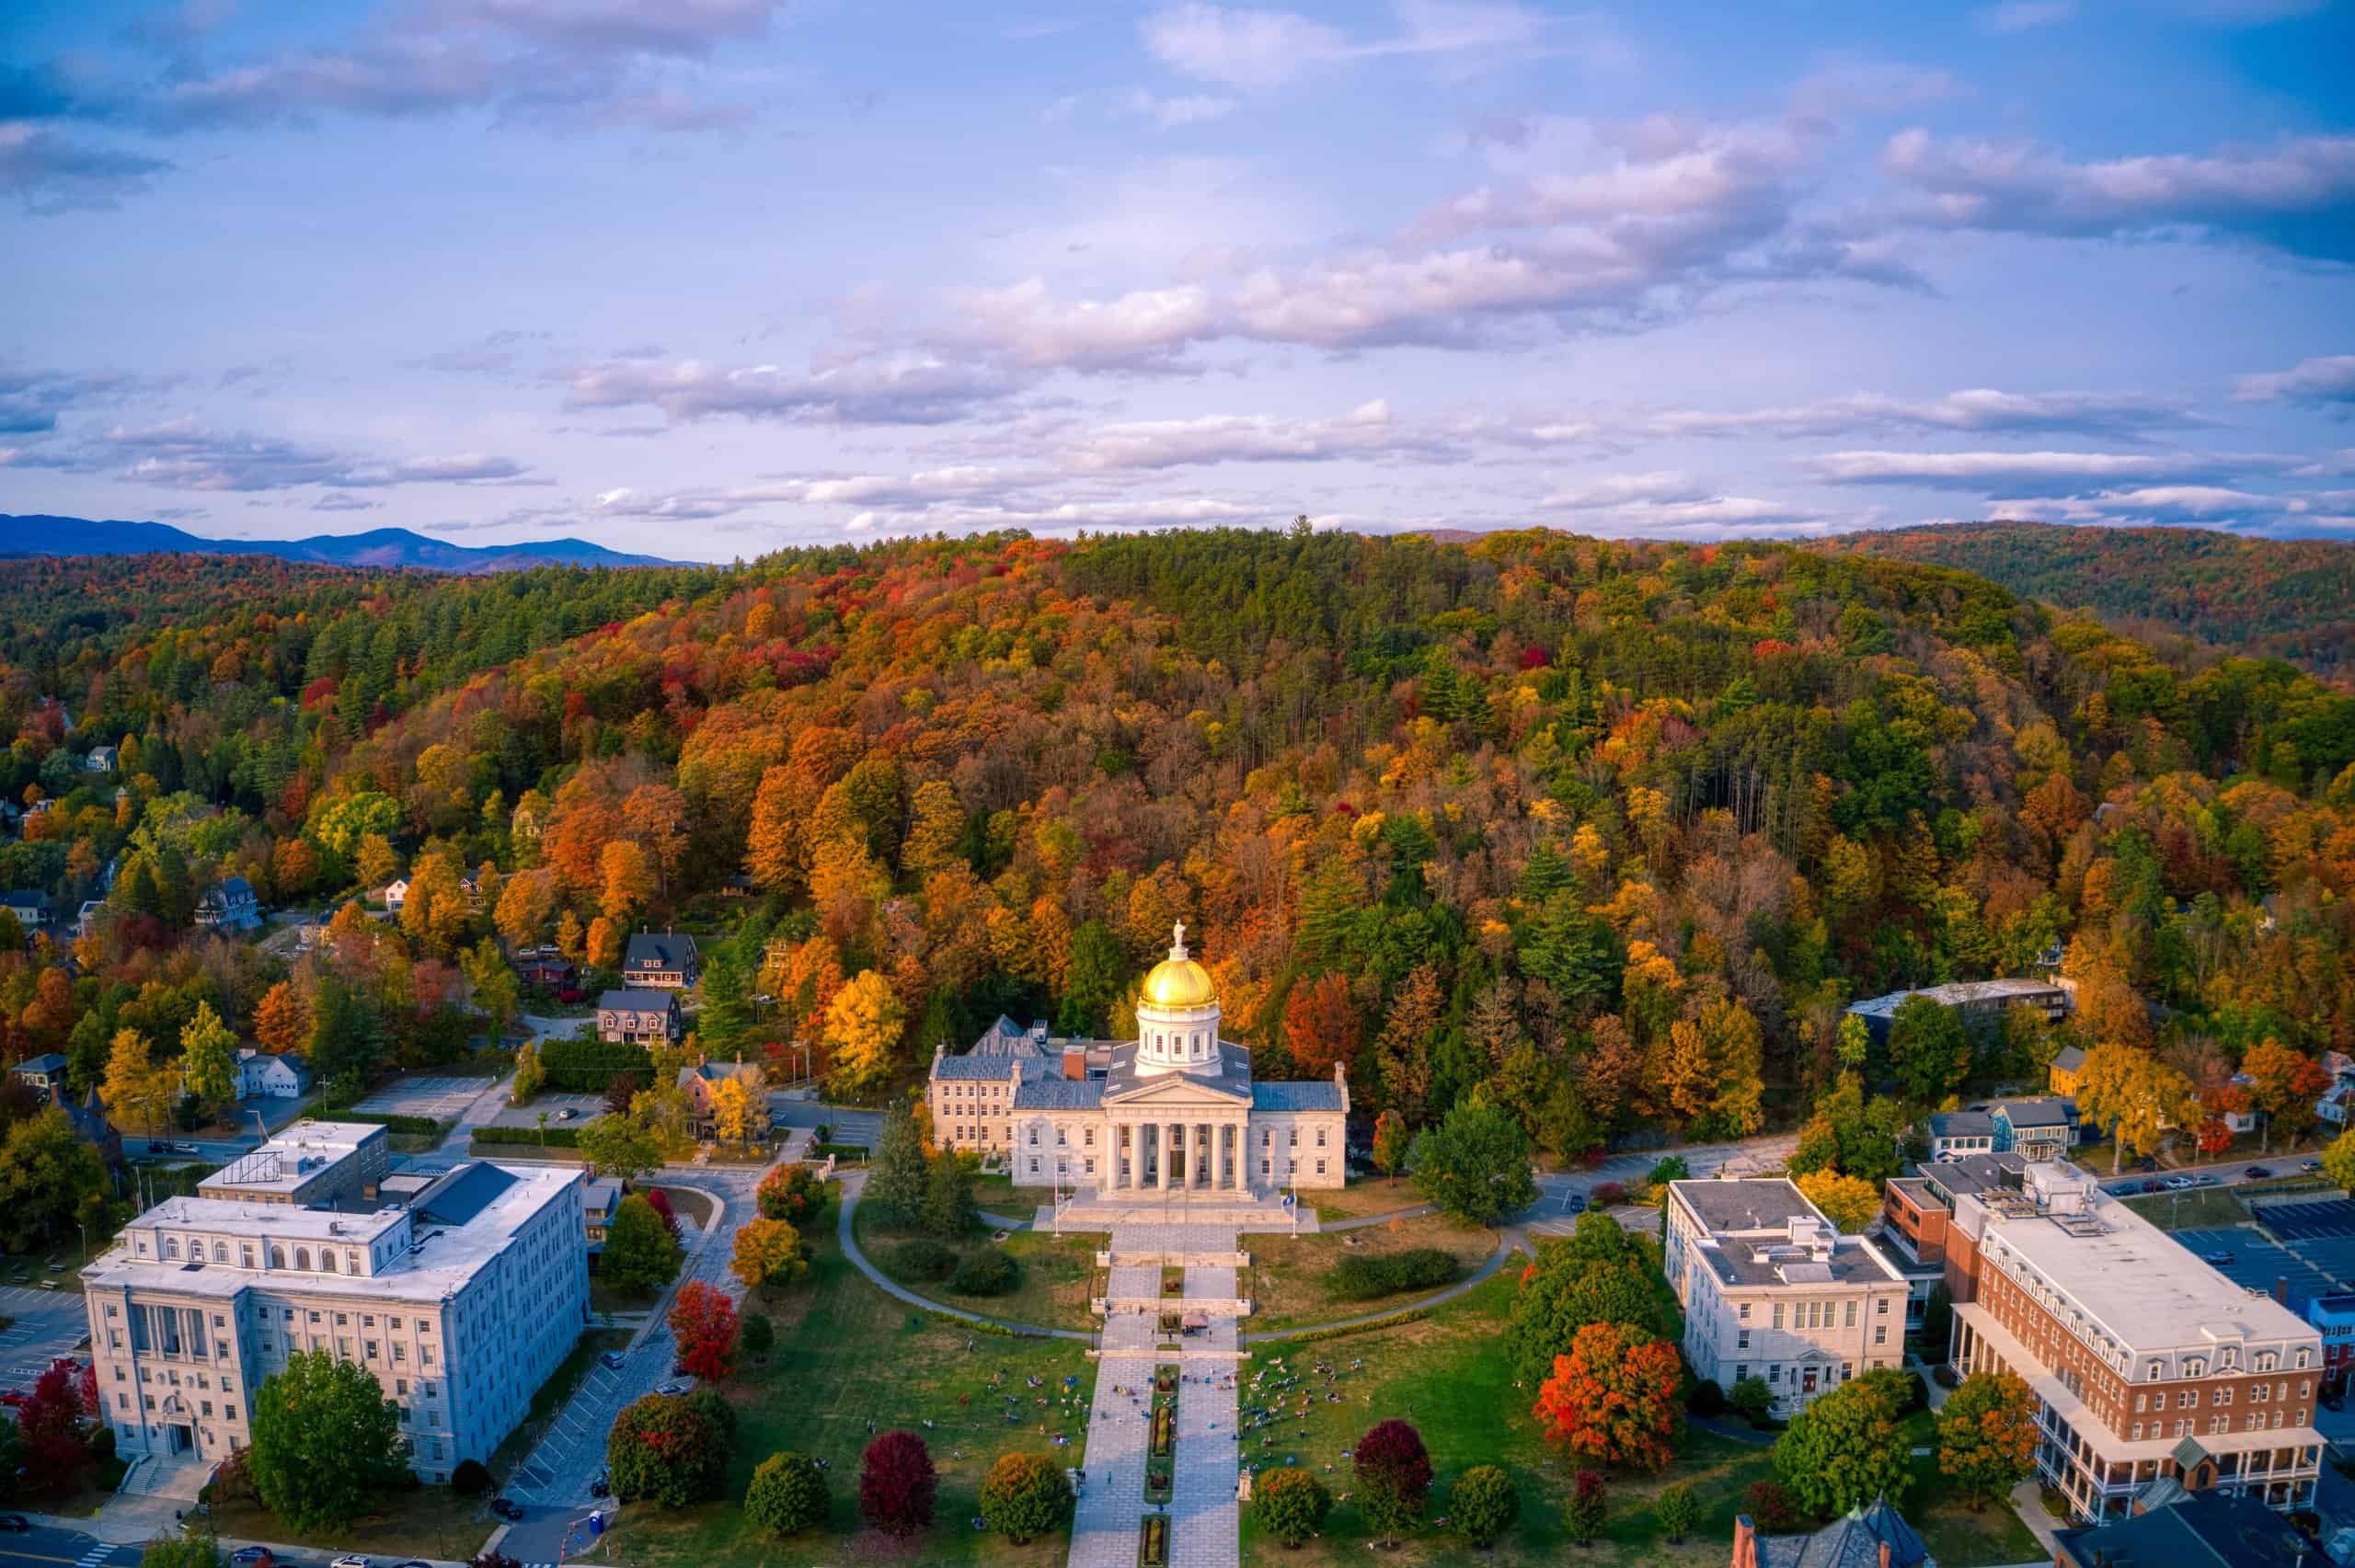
(848, 1357)
(1058, 1274)
(1288, 1276)
(2204, 1209)
(1444, 1374)
(1379, 1196)
(431, 1521)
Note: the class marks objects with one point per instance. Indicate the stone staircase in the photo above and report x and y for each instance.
(1089, 1209)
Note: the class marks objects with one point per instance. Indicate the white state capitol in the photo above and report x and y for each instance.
(1175, 1109)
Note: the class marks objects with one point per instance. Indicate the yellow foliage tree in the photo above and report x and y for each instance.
(1849, 1202)
(627, 880)
(605, 944)
(138, 1092)
(864, 1023)
(732, 1111)
(2134, 1096)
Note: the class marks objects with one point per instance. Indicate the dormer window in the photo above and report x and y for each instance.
(2194, 1365)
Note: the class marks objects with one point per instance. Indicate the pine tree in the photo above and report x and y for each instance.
(947, 1197)
(897, 1180)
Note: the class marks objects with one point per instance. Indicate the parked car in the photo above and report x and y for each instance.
(2310, 1166)
(2256, 1172)
(2123, 1189)
(612, 1360)
(507, 1509)
(1574, 1204)
(2220, 1258)
(2154, 1187)
(254, 1557)
(2205, 1179)
(2180, 1183)
(672, 1388)
(351, 1560)
(566, 1114)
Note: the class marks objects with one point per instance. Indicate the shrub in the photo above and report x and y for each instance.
(1290, 1505)
(756, 1333)
(1679, 1510)
(1607, 1195)
(897, 1485)
(987, 1272)
(1026, 1496)
(924, 1259)
(790, 1192)
(663, 1450)
(712, 1405)
(1362, 1277)
(1484, 1505)
(1589, 1508)
(1769, 1507)
(470, 1479)
(1753, 1401)
(787, 1493)
(1707, 1398)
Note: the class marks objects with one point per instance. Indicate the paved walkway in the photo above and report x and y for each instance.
(1204, 1518)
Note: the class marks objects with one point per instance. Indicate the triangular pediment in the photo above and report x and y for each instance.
(1175, 1089)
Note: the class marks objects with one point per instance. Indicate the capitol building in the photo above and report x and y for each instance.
(1175, 1109)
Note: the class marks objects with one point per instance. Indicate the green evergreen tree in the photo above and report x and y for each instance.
(948, 1210)
(897, 1179)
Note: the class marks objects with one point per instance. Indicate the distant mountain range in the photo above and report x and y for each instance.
(2290, 598)
(379, 547)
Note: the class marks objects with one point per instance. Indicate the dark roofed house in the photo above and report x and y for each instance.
(1961, 1132)
(229, 905)
(702, 1079)
(1877, 1537)
(91, 1126)
(663, 960)
(30, 908)
(2206, 1529)
(2041, 1128)
(639, 1017)
(43, 1073)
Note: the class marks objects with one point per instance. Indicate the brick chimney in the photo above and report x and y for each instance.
(1884, 1554)
(1745, 1542)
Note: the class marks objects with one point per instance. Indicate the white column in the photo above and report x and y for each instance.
(1161, 1134)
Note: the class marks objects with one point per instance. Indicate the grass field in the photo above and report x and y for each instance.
(2204, 1208)
(431, 1521)
(849, 1356)
(1377, 1195)
(1288, 1273)
(1050, 1292)
(1445, 1376)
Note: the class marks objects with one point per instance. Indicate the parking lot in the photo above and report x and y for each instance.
(2256, 1264)
(49, 1323)
(582, 1106)
(2325, 1219)
(443, 1099)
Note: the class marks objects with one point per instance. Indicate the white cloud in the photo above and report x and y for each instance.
(2330, 379)
(2024, 15)
(1977, 408)
(880, 389)
(2294, 196)
(1366, 431)
(1257, 50)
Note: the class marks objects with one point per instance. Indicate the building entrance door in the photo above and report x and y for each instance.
(1807, 1380)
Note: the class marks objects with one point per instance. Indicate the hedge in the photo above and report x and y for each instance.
(1310, 1336)
(587, 1066)
(1361, 1276)
(552, 1138)
(423, 1126)
(840, 1151)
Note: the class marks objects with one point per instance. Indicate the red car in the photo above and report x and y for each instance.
(16, 1398)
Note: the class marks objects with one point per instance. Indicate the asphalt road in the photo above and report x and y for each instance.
(850, 1127)
(552, 1484)
(42, 1547)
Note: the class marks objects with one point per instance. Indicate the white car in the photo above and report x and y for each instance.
(351, 1559)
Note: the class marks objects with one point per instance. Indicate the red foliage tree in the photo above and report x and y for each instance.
(703, 1322)
(50, 1423)
(1321, 1025)
(1392, 1454)
(790, 1192)
(660, 1201)
(1614, 1397)
(896, 1484)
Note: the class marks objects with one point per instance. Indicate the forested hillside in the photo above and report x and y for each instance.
(1615, 830)
(2290, 598)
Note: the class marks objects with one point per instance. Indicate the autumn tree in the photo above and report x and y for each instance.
(2284, 1085)
(897, 1484)
(282, 1021)
(703, 1321)
(1403, 1054)
(790, 1192)
(1290, 1504)
(664, 1450)
(1598, 1274)
(1847, 1446)
(2339, 1161)
(1987, 1435)
(1614, 1397)
(1848, 1202)
(603, 947)
(864, 1023)
(786, 1496)
(2132, 1095)
(1391, 1141)
(732, 1111)
(525, 902)
(769, 1253)
(138, 1092)
(1321, 1025)
(1026, 1496)
(625, 880)
(1393, 1475)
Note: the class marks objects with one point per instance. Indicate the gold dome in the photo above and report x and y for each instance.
(1177, 980)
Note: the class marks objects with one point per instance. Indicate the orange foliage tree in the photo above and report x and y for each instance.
(1612, 1397)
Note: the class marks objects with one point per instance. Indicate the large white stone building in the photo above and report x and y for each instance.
(1772, 1291)
(460, 1295)
(1174, 1109)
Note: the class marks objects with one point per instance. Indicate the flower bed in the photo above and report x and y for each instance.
(1153, 1542)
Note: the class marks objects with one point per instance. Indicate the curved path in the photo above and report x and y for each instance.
(1507, 1239)
(853, 1184)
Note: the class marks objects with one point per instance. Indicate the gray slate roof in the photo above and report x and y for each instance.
(1307, 1094)
(2048, 1111)
(2070, 1058)
(2206, 1529)
(1060, 1094)
(973, 1068)
(1962, 1124)
(638, 1000)
(659, 950)
(1853, 1541)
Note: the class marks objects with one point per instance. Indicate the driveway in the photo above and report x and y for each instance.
(552, 1484)
(850, 1124)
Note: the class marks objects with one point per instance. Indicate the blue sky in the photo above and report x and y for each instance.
(701, 278)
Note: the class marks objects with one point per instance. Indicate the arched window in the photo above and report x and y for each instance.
(278, 1257)
(303, 1259)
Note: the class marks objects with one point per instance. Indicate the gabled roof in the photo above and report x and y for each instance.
(1852, 1542)
(637, 1001)
(50, 1065)
(2070, 1058)
(1961, 1124)
(20, 899)
(1059, 1095)
(970, 1067)
(659, 950)
(2046, 1111)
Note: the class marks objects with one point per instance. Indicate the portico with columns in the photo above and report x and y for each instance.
(1175, 1111)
